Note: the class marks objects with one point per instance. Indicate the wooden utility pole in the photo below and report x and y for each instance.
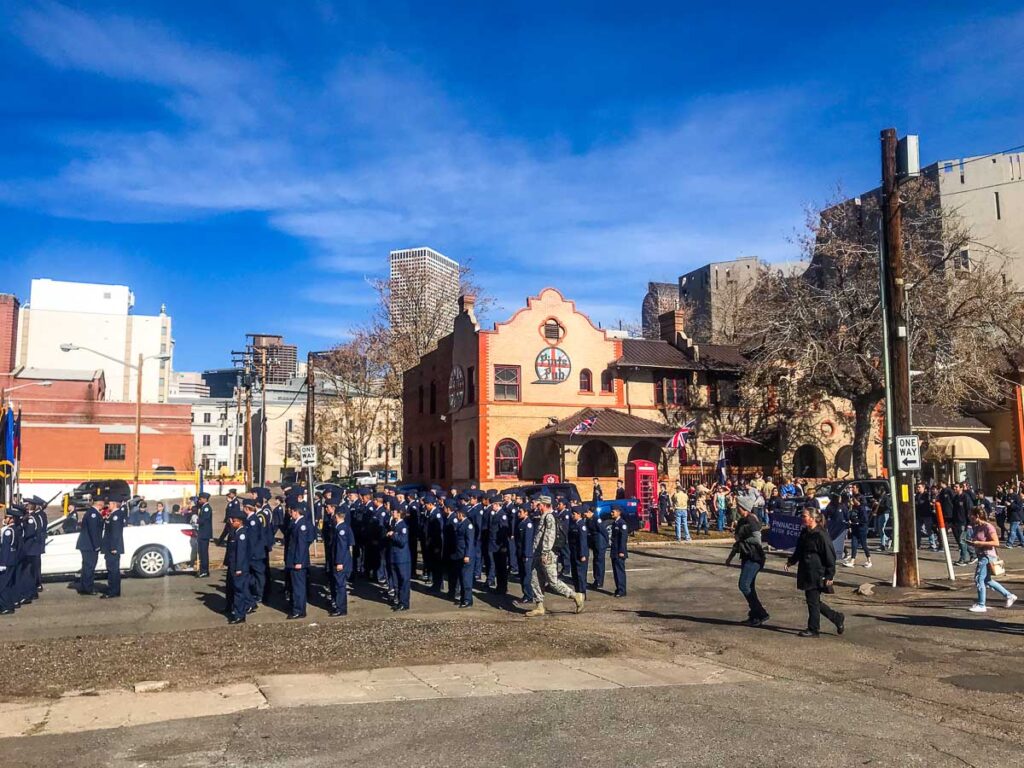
(898, 351)
(138, 426)
(263, 418)
(247, 438)
(310, 399)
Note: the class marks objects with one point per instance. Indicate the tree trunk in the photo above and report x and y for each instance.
(863, 408)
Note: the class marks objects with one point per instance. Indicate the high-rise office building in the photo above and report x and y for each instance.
(424, 291)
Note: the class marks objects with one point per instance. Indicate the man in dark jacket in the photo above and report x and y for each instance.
(748, 547)
(961, 507)
(816, 571)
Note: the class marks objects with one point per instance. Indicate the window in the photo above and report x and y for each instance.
(433, 398)
(728, 393)
(380, 450)
(420, 452)
(421, 398)
(240, 439)
(114, 452)
(553, 331)
(206, 440)
(507, 458)
(223, 440)
(947, 167)
(408, 460)
(669, 391)
(433, 461)
(999, 210)
(193, 418)
(206, 417)
(506, 382)
(394, 450)
(586, 381)
(470, 386)
(222, 465)
(471, 458)
(962, 263)
(440, 460)
(606, 381)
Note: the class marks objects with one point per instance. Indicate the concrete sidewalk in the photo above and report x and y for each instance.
(80, 711)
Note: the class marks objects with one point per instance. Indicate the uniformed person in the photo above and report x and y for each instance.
(524, 548)
(619, 537)
(400, 559)
(341, 559)
(37, 507)
(236, 560)
(9, 540)
(89, 541)
(204, 533)
(433, 543)
(296, 561)
(597, 533)
(563, 516)
(465, 543)
(25, 578)
(578, 543)
(544, 561)
(453, 564)
(112, 546)
(233, 505)
(257, 554)
(498, 531)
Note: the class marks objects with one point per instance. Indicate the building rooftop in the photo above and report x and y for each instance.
(608, 423)
(58, 374)
(937, 419)
(653, 353)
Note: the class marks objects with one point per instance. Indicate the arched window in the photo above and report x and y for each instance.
(586, 381)
(471, 459)
(433, 461)
(441, 461)
(433, 397)
(606, 381)
(420, 452)
(508, 457)
(408, 459)
(421, 398)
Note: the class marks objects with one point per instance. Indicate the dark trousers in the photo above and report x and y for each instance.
(499, 572)
(238, 594)
(257, 580)
(413, 550)
(298, 579)
(37, 570)
(491, 567)
(619, 574)
(203, 549)
(579, 575)
(748, 588)
(402, 575)
(454, 568)
(564, 559)
(435, 564)
(339, 588)
(268, 578)
(597, 555)
(526, 578)
(87, 580)
(329, 577)
(466, 582)
(7, 596)
(513, 556)
(815, 606)
(224, 533)
(24, 580)
(113, 563)
(478, 561)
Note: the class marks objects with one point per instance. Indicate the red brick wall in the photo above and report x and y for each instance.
(8, 331)
(81, 448)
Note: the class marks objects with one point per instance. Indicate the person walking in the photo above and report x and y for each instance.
(544, 562)
(1015, 516)
(751, 552)
(619, 539)
(860, 513)
(721, 504)
(681, 504)
(816, 569)
(702, 512)
(985, 540)
(341, 559)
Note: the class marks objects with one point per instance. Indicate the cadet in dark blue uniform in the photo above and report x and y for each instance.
(524, 547)
(204, 533)
(296, 561)
(498, 532)
(475, 514)
(400, 559)
(433, 542)
(327, 536)
(236, 559)
(24, 578)
(578, 549)
(563, 516)
(465, 543)
(257, 554)
(619, 537)
(37, 507)
(341, 559)
(233, 505)
(452, 563)
(598, 536)
(112, 546)
(89, 539)
(8, 559)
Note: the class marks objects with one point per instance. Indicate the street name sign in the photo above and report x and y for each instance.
(908, 453)
(307, 455)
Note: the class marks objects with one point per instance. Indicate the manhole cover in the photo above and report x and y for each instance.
(1011, 682)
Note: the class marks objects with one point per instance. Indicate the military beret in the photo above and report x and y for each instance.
(262, 494)
(15, 510)
(389, 489)
(236, 514)
(232, 492)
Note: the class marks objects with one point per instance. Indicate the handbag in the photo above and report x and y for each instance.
(996, 567)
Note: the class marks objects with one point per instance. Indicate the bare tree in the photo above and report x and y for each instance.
(826, 327)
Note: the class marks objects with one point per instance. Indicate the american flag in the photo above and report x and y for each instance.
(584, 426)
(678, 440)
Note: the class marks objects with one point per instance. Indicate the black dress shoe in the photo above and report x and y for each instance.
(806, 633)
(252, 609)
(236, 620)
(401, 608)
(108, 596)
(841, 624)
(297, 616)
(203, 575)
(335, 614)
(465, 605)
(6, 612)
(87, 591)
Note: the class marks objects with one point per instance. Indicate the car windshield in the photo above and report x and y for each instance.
(829, 489)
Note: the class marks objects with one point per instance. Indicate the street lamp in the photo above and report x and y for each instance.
(68, 347)
(7, 391)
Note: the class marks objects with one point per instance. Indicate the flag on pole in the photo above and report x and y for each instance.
(678, 440)
(721, 466)
(584, 426)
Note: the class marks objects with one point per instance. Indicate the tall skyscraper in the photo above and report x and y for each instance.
(424, 293)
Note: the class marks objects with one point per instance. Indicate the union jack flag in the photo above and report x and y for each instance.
(678, 440)
(584, 426)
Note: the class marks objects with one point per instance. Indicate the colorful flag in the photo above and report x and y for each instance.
(584, 426)
(678, 440)
(721, 466)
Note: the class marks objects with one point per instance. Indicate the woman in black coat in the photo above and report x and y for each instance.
(815, 559)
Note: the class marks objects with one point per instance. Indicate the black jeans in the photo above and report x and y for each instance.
(815, 606)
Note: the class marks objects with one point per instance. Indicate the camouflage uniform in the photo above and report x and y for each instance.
(544, 566)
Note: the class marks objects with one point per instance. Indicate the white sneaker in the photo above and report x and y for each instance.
(976, 608)
(867, 564)
(1011, 600)
(847, 563)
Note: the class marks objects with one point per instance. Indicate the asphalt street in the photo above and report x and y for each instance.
(915, 679)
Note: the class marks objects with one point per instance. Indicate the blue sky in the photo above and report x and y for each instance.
(250, 164)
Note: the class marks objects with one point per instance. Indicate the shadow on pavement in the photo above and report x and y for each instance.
(949, 622)
(709, 620)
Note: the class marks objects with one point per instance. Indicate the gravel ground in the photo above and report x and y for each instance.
(213, 656)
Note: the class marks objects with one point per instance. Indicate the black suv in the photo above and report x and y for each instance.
(568, 490)
(90, 489)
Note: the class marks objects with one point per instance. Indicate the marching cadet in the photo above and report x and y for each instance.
(204, 533)
(376, 530)
(619, 537)
(452, 563)
(465, 543)
(296, 561)
(36, 507)
(578, 550)
(24, 578)
(433, 542)
(498, 531)
(476, 515)
(70, 522)
(233, 505)
(9, 560)
(89, 540)
(508, 505)
(112, 546)
(524, 547)
(237, 574)
(326, 534)
(341, 559)
(257, 554)
(399, 559)
(563, 516)
(597, 535)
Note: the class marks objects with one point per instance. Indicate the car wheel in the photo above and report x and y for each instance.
(151, 562)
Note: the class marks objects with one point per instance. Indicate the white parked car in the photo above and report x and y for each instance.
(363, 477)
(149, 550)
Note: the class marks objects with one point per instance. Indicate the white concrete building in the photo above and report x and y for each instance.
(97, 318)
(218, 433)
(421, 278)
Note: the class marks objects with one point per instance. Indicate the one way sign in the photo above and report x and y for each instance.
(908, 453)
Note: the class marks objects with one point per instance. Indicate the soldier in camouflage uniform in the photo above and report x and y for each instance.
(544, 561)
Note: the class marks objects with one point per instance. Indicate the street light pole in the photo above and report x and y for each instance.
(138, 426)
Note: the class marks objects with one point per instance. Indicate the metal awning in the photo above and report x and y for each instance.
(956, 448)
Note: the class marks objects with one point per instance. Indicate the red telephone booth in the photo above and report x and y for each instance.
(642, 485)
